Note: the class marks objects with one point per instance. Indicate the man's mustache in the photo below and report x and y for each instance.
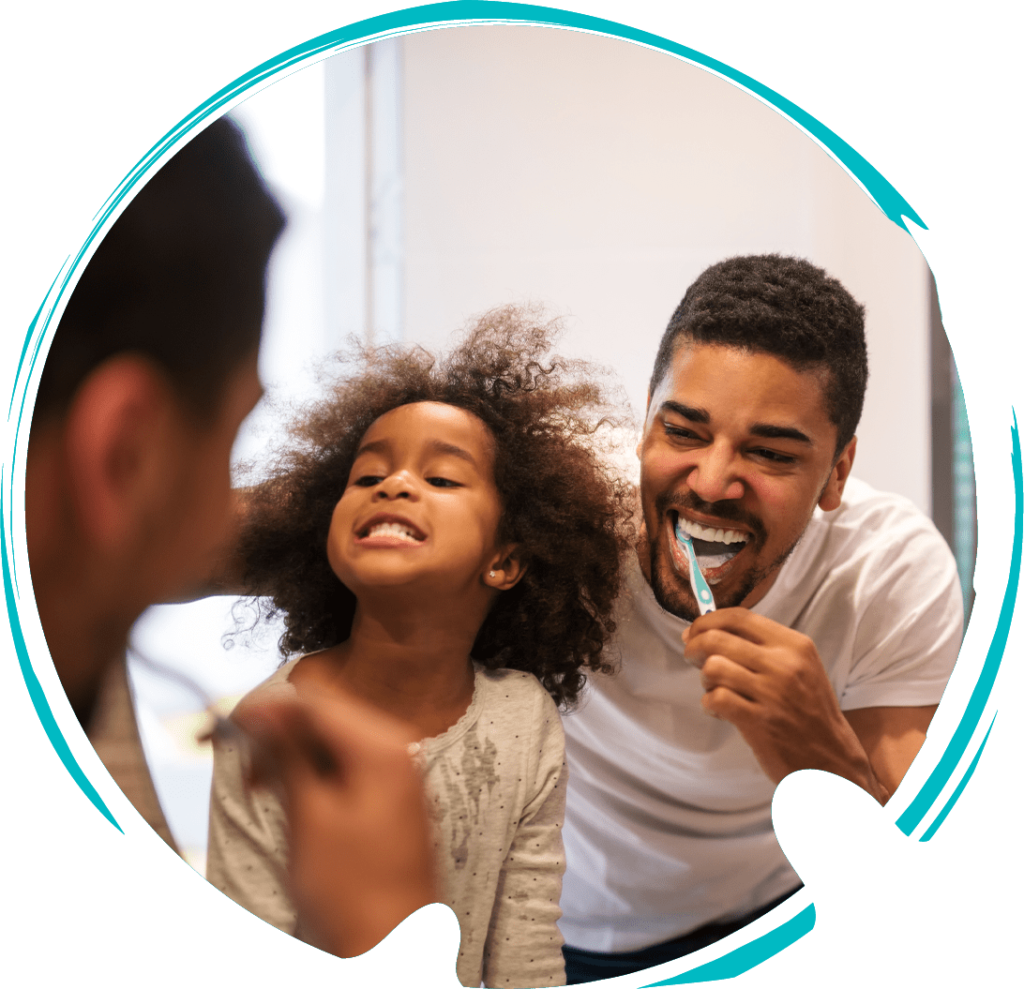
(727, 511)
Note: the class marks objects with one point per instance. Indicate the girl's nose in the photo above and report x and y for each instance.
(395, 486)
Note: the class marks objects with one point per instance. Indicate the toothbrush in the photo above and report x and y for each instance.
(701, 591)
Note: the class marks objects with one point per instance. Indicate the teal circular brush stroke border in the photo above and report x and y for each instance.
(895, 207)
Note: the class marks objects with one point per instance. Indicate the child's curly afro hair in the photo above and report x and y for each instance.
(561, 503)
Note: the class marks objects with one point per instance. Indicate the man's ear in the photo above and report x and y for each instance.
(832, 495)
(120, 438)
(506, 570)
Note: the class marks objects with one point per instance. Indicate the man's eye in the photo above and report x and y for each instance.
(680, 431)
(774, 456)
(443, 482)
(367, 480)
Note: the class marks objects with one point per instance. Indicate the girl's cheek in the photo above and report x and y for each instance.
(336, 556)
(341, 525)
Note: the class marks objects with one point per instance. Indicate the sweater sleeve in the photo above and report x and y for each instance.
(247, 857)
(524, 945)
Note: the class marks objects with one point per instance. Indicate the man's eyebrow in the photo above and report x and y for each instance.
(770, 432)
(687, 412)
(766, 430)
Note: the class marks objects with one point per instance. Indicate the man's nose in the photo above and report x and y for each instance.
(715, 474)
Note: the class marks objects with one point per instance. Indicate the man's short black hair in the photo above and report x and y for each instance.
(178, 278)
(782, 306)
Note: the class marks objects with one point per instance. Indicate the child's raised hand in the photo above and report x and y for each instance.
(361, 858)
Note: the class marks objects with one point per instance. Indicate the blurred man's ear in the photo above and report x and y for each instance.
(122, 440)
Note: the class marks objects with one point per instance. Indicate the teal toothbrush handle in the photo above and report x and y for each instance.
(701, 591)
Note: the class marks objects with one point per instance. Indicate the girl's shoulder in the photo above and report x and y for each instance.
(277, 685)
(511, 685)
(516, 699)
(520, 723)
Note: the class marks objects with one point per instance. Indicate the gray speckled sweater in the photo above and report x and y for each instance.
(496, 782)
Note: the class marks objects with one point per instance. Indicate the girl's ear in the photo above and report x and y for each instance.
(506, 569)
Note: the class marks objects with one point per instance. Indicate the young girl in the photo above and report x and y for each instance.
(443, 541)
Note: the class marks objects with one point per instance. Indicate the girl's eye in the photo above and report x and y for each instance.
(367, 481)
(443, 482)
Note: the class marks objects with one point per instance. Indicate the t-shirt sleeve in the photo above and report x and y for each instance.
(910, 628)
(524, 945)
(247, 857)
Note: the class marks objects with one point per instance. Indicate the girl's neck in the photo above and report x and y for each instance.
(415, 666)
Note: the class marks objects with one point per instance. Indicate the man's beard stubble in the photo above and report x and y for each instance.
(674, 602)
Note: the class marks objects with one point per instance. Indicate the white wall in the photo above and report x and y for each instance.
(600, 178)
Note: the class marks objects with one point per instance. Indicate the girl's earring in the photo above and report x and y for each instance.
(492, 574)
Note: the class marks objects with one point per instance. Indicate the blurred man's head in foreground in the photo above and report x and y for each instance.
(151, 372)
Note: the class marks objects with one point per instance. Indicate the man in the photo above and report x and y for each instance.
(128, 502)
(839, 619)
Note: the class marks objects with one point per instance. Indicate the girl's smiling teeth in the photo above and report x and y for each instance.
(390, 529)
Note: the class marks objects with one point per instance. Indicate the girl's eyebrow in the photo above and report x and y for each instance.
(435, 446)
(456, 451)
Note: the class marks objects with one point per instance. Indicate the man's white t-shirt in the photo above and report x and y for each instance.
(668, 824)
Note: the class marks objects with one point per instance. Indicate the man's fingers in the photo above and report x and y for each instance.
(712, 642)
(720, 671)
(262, 728)
(727, 705)
(361, 858)
(337, 740)
(372, 745)
(285, 744)
(740, 622)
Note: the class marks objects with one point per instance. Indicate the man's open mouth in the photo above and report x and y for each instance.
(715, 547)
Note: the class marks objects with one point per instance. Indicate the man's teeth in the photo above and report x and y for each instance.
(727, 541)
(393, 529)
(709, 535)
